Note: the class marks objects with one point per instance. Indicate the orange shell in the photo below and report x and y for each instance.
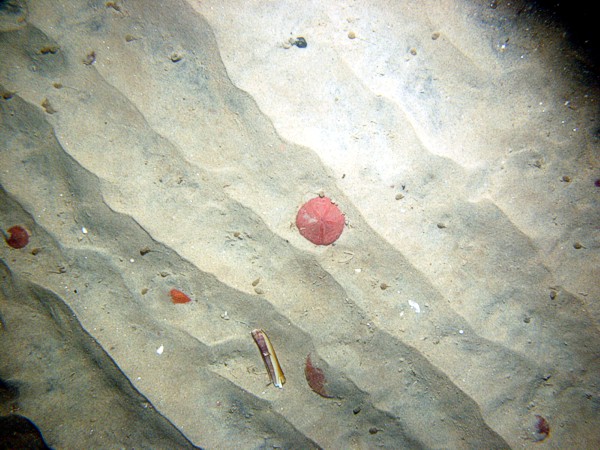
(316, 378)
(179, 297)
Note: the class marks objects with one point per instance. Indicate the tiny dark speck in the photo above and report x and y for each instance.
(300, 42)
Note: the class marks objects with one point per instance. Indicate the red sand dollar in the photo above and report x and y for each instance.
(18, 238)
(320, 221)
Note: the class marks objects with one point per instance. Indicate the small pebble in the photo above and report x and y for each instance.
(50, 49)
(300, 42)
(48, 107)
(90, 58)
(351, 35)
(399, 196)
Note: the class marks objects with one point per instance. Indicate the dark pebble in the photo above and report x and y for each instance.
(300, 42)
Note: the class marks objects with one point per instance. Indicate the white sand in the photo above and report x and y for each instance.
(197, 132)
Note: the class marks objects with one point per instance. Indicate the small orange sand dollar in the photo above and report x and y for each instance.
(320, 221)
(179, 297)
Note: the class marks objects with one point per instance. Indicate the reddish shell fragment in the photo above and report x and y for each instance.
(320, 221)
(315, 378)
(542, 428)
(18, 238)
(179, 297)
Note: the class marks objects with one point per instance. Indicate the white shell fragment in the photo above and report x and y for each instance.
(160, 350)
(415, 306)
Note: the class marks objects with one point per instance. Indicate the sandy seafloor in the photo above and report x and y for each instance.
(153, 145)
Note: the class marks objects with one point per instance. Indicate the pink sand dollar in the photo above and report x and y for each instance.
(320, 221)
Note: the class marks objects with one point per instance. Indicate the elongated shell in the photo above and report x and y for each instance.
(269, 357)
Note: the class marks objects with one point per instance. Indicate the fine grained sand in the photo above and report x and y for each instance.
(156, 145)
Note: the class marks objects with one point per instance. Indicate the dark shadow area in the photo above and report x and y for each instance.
(580, 22)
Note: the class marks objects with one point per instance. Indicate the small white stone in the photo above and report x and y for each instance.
(160, 349)
(84, 230)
